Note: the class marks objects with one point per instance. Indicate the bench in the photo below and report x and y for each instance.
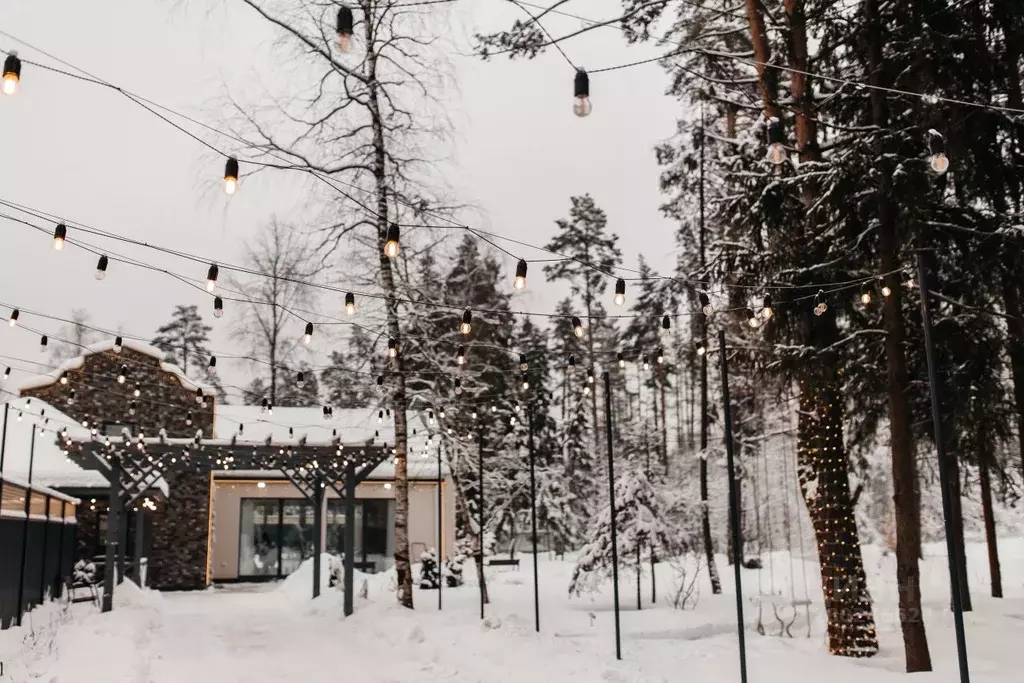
(502, 562)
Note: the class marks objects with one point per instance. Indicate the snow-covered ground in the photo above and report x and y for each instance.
(275, 633)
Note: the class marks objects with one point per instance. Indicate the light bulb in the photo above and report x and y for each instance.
(766, 307)
(12, 74)
(344, 42)
(308, 336)
(460, 355)
(865, 298)
(218, 307)
(60, 234)
(231, 176)
(13, 320)
(101, 268)
(577, 327)
(776, 153)
(752, 319)
(345, 26)
(467, 322)
(64, 378)
(392, 348)
(391, 246)
(939, 163)
(586, 390)
(300, 380)
(621, 359)
(526, 384)
(886, 291)
(581, 105)
(520, 281)
(118, 344)
(350, 304)
(702, 348)
(705, 304)
(211, 277)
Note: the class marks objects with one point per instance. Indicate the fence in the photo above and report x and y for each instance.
(37, 546)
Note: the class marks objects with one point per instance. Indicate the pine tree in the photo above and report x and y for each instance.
(184, 339)
(589, 252)
(430, 577)
(640, 524)
(346, 380)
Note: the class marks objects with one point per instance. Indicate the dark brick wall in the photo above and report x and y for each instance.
(178, 552)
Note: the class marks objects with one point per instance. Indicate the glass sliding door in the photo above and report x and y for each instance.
(336, 528)
(297, 532)
(259, 543)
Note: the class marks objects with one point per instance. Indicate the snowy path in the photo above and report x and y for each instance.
(257, 634)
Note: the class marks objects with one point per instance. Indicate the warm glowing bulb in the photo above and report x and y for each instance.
(58, 243)
(211, 285)
(308, 339)
(344, 42)
(391, 248)
(582, 106)
(753, 322)
(886, 291)
(776, 153)
(865, 298)
(11, 83)
(350, 309)
(939, 162)
(520, 282)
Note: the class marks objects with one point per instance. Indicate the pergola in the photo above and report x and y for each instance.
(134, 464)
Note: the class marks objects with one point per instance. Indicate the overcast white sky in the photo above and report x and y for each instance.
(89, 155)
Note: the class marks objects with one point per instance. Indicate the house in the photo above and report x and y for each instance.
(199, 528)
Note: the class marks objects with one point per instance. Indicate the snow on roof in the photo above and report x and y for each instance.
(35, 486)
(421, 469)
(77, 362)
(354, 427)
(50, 467)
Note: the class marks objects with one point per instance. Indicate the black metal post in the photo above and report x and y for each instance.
(46, 539)
(122, 539)
(440, 525)
(480, 559)
(60, 549)
(734, 506)
(318, 528)
(112, 523)
(140, 521)
(24, 531)
(611, 501)
(350, 536)
(3, 449)
(533, 520)
(953, 548)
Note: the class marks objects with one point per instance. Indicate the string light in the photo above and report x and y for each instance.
(440, 412)
(218, 307)
(131, 408)
(458, 385)
(582, 106)
(590, 376)
(391, 245)
(12, 74)
(820, 307)
(467, 322)
(702, 347)
(621, 359)
(460, 355)
(64, 378)
(138, 390)
(122, 374)
(380, 380)
(7, 374)
(620, 292)
(776, 148)
(705, 304)
(212, 368)
(60, 234)
(646, 362)
(865, 296)
(346, 24)
(71, 397)
(231, 176)
(659, 356)
(211, 277)
(118, 344)
(523, 364)
(263, 407)
(577, 327)
(666, 325)
(520, 281)
(13, 319)
(766, 307)
(43, 343)
(752, 319)
(572, 364)
(350, 304)
(526, 382)
(101, 268)
(937, 158)
(200, 398)
(392, 348)
(886, 291)
(380, 417)
(307, 337)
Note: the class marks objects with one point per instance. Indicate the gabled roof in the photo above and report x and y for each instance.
(40, 381)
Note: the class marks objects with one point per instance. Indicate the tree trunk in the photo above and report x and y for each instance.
(664, 419)
(1015, 342)
(824, 481)
(403, 568)
(995, 573)
(904, 462)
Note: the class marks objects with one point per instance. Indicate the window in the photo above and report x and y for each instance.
(259, 543)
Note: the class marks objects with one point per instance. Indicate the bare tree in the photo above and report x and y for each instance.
(359, 114)
(283, 260)
(74, 335)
